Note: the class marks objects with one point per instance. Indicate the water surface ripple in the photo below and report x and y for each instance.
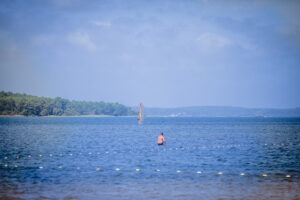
(116, 158)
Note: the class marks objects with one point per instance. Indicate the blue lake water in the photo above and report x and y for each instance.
(116, 158)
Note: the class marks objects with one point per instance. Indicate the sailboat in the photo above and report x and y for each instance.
(141, 114)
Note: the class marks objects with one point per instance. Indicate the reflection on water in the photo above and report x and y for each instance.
(98, 158)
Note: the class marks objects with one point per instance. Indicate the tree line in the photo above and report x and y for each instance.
(28, 105)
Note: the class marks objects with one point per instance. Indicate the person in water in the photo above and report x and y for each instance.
(161, 139)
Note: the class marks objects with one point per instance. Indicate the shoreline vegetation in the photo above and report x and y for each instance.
(17, 105)
(23, 105)
(149, 116)
(100, 116)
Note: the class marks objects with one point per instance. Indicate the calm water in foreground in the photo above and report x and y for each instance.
(116, 158)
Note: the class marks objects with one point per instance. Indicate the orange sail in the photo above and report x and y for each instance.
(141, 114)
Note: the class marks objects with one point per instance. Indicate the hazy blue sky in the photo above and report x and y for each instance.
(163, 53)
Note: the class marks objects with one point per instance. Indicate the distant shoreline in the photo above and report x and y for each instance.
(64, 116)
(16, 105)
(149, 116)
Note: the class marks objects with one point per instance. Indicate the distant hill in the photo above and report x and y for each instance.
(28, 105)
(221, 111)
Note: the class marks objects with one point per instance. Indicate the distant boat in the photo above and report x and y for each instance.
(141, 114)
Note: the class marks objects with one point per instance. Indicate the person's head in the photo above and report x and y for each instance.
(161, 133)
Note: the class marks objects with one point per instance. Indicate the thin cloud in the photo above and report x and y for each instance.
(42, 40)
(210, 40)
(82, 39)
(102, 23)
(65, 2)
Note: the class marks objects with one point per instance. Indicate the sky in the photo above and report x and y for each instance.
(163, 53)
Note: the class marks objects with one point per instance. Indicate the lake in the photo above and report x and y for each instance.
(117, 158)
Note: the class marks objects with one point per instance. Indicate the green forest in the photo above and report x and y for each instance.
(28, 105)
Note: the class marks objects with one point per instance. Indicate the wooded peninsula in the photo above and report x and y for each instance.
(28, 105)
